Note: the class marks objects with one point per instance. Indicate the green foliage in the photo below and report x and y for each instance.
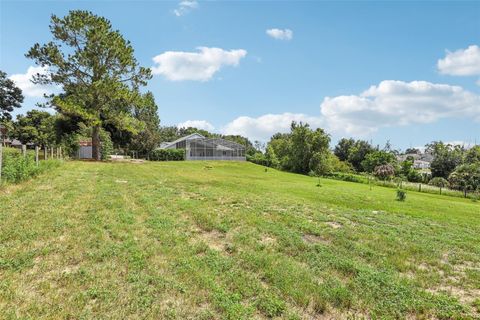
(377, 158)
(473, 155)
(271, 158)
(414, 176)
(96, 69)
(147, 139)
(401, 195)
(10, 97)
(445, 158)
(168, 155)
(302, 150)
(257, 158)
(106, 145)
(350, 177)
(37, 127)
(438, 182)
(466, 178)
(17, 168)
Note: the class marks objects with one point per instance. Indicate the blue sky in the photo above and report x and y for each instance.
(400, 71)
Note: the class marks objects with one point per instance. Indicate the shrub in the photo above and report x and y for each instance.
(384, 172)
(414, 176)
(401, 195)
(258, 158)
(168, 155)
(17, 168)
(350, 177)
(439, 182)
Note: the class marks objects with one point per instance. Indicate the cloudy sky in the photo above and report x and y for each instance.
(405, 72)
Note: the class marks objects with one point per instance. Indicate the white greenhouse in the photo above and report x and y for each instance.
(197, 147)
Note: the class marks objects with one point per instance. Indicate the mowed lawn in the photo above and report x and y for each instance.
(218, 240)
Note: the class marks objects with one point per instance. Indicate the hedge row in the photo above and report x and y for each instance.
(168, 155)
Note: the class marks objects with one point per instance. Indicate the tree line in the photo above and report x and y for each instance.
(307, 151)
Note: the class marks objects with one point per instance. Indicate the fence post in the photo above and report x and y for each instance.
(45, 153)
(1, 158)
(419, 187)
(51, 153)
(36, 155)
(60, 149)
(24, 150)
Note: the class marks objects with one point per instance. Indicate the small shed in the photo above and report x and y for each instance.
(85, 149)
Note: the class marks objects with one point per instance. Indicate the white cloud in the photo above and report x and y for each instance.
(185, 6)
(463, 62)
(397, 103)
(263, 127)
(199, 124)
(198, 66)
(279, 34)
(29, 89)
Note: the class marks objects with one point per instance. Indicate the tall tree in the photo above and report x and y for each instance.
(473, 155)
(97, 70)
(342, 149)
(37, 127)
(149, 137)
(10, 97)
(445, 158)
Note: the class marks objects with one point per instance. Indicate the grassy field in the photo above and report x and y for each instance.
(218, 240)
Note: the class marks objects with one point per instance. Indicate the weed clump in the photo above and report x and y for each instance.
(401, 195)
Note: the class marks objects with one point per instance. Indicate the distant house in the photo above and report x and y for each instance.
(420, 160)
(420, 164)
(197, 147)
(14, 143)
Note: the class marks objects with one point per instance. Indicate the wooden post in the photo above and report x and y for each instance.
(51, 153)
(1, 158)
(60, 149)
(45, 153)
(36, 155)
(24, 150)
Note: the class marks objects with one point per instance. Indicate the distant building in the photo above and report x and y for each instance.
(420, 160)
(420, 164)
(14, 143)
(197, 147)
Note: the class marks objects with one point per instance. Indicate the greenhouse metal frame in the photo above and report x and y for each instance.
(197, 147)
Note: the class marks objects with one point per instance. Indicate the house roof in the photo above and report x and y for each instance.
(189, 137)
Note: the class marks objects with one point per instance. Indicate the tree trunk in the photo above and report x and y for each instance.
(96, 155)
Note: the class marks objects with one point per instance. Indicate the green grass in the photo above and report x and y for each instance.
(219, 240)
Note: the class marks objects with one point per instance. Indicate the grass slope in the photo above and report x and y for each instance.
(224, 240)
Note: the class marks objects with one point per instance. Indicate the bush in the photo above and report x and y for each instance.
(350, 177)
(17, 168)
(401, 195)
(168, 155)
(414, 176)
(258, 158)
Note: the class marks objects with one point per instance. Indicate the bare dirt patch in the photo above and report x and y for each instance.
(334, 225)
(314, 239)
(214, 239)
